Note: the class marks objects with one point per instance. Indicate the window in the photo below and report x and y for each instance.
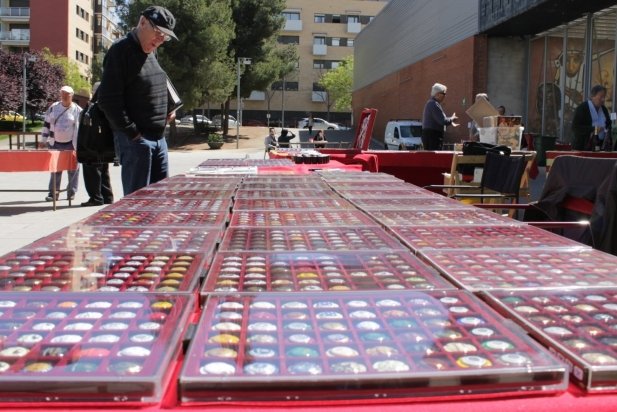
(349, 42)
(353, 19)
(291, 15)
(336, 41)
(289, 39)
(319, 40)
(334, 64)
(336, 18)
(318, 88)
(289, 86)
(319, 64)
(320, 18)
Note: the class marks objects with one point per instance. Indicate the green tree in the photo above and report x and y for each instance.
(72, 75)
(338, 84)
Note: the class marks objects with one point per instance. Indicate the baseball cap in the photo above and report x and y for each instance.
(67, 89)
(161, 18)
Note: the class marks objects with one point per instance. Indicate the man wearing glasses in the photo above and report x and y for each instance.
(434, 120)
(133, 96)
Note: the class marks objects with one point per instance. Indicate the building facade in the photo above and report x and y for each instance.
(324, 32)
(77, 29)
(538, 58)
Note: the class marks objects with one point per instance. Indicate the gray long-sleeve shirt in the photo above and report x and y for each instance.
(133, 90)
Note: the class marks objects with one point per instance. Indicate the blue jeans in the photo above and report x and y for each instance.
(71, 187)
(143, 161)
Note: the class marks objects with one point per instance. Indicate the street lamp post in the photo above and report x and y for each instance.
(244, 61)
(27, 58)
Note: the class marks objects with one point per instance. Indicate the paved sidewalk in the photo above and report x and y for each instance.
(26, 216)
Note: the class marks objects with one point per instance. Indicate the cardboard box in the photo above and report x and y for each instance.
(502, 121)
(481, 109)
(506, 136)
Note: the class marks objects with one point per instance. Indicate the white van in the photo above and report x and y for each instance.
(403, 135)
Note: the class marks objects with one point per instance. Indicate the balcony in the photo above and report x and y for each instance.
(15, 14)
(353, 27)
(293, 25)
(18, 37)
(320, 49)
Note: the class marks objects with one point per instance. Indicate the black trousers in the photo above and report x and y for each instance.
(98, 183)
(432, 139)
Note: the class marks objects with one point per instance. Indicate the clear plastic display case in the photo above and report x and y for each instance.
(578, 325)
(293, 271)
(191, 178)
(326, 218)
(127, 239)
(333, 175)
(163, 193)
(426, 202)
(330, 203)
(285, 194)
(373, 344)
(289, 185)
(439, 217)
(335, 239)
(476, 237)
(378, 193)
(86, 348)
(547, 268)
(170, 205)
(157, 219)
(245, 162)
(89, 271)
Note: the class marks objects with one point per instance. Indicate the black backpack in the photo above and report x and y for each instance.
(480, 149)
(95, 140)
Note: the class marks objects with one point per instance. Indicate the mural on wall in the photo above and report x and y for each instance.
(545, 94)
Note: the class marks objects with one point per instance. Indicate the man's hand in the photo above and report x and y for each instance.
(171, 117)
(454, 118)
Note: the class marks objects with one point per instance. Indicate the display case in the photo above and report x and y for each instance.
(87, 271)
(477, 237)
(194, 184)
(191, 178)
(536, 269)
(439, 217)
(83, 348)
(578, 325)
(285, 194)
(326, 218)
(244, 162)
(330, 203)
(163, 193)
(379, 185)
(126, 239)
(159, 219)
(136, 204)
(426, 202)
(335, 239)
(352, 345)
(377, 193)
(330, 175)
(283, 186)
(295, 271)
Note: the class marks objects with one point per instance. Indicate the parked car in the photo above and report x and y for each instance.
(341, 126)
(10, 115)
(403, 135)
(318, 124)
(217, 121)
(188, 120)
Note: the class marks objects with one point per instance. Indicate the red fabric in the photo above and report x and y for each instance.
(578, 204)
(369, 162)
(37, 160)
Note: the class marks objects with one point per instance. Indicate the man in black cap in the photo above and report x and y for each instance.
(133, 96)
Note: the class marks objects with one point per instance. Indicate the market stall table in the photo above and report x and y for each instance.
(37, 161)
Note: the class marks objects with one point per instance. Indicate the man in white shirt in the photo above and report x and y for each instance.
(60, 133)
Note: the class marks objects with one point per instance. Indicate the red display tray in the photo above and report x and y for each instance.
(289, 185)
(534, 269)
(27, 271)
(194, 185)
(378, 193)
(579, 325)
(245, 162)
(300, 218)
(281, 178)
(343, 239)
(285, 194)
(89, 347)
(294, 271)
(191, 178)
(355, 176)
(163, 193)
(129, 240)
(170, 205)
(287, 204)
(440, 217)
(376, 184)
(160, 219)
(428, 202)
(478, 237)
(373, 344)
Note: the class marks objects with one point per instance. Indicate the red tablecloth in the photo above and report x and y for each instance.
(302, 169)
(37, 160)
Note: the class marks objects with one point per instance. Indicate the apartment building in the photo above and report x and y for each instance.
(75, 28)
(324, 32)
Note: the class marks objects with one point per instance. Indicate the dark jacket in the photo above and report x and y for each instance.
(434, 117)
(133, 90)
(582, 128)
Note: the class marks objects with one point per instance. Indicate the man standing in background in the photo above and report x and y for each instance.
(133, 96)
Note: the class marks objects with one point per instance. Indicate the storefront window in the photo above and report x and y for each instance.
(573, 61)
(603, 54)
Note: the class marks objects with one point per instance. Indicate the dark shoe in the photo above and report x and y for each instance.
(108, 202)
(70, 197)
(91, 203)
(50, 198)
